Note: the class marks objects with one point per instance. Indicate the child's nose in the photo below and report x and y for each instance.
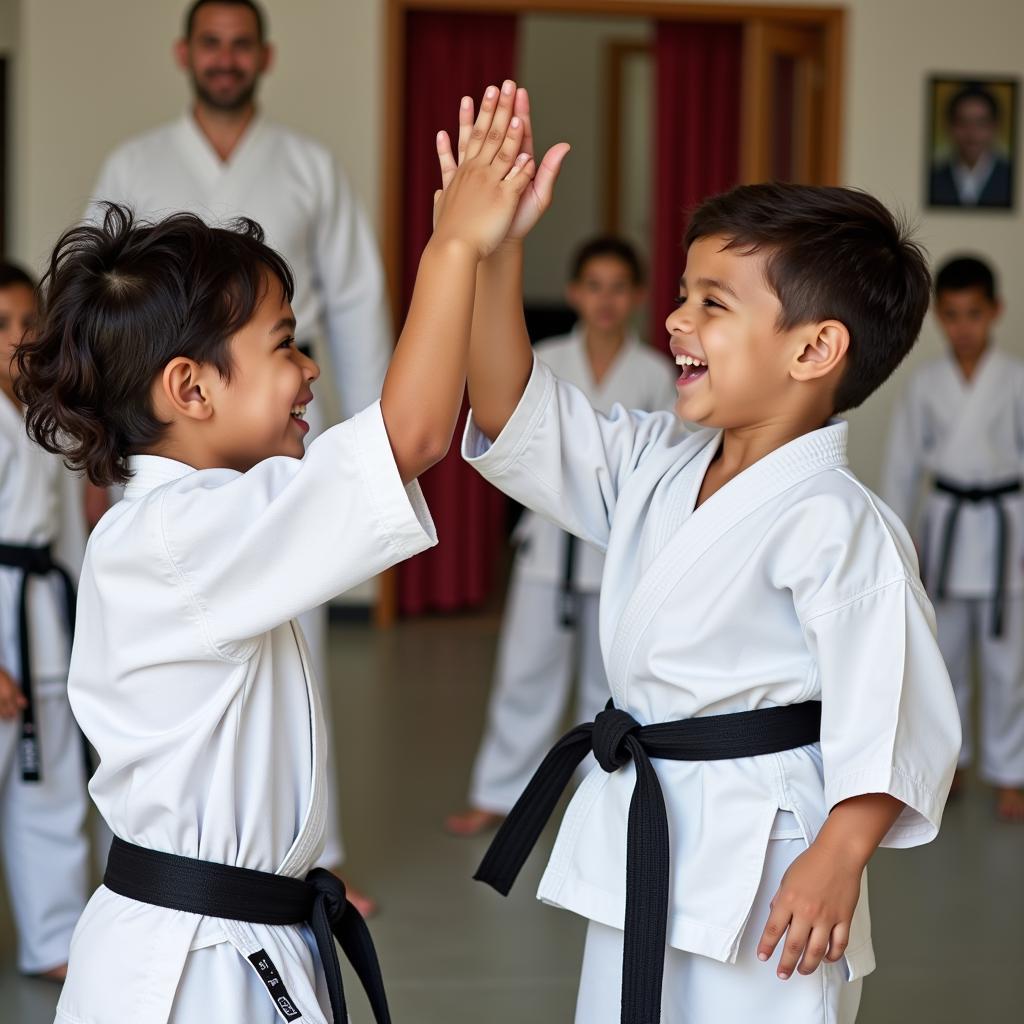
(310, 370)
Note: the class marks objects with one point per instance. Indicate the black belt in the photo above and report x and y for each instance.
(616, 737)
(33, 561)
(258, 897)
(977, 496)
(568, 606)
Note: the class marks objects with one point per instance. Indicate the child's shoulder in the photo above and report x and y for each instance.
(838, 540)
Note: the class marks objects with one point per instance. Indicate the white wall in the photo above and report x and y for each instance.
(90, 73)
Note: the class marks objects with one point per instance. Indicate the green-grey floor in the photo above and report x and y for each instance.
(948, 918)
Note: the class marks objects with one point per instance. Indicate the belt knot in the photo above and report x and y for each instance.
(611, 727)
(329, 890)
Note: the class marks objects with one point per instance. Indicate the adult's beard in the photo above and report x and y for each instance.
(235, 102)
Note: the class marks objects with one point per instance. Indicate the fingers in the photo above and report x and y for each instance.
(12, 700)
(512, 144)
(774, 929)
(838, 942)
(547, 173)
(521, 109)
(496, 135)
(522, 173)
(817, 947)
(446, 159)
(793, 946)
(482, 125)
(465, 125)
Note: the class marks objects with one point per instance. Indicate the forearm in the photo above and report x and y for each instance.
(500, 356)
(856, 826)
(423, 389)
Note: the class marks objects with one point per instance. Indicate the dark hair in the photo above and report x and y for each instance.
(831, 253)
(261, 19)
(11, 275)
(963, 272)
(123, 298)
(607, 245)
(972, 91)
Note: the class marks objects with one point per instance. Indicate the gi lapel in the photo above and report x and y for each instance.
(765, 480)
(976, 409)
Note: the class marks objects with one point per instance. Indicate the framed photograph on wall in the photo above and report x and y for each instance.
(972, 142)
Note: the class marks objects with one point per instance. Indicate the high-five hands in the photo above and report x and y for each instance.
(506, 111)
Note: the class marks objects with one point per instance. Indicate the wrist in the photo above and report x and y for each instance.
(451, 249)
(844, 846)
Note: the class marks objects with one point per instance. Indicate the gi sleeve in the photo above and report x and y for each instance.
(904, 457)
(113, 185)
(561, 458)
(350, 277)
(256, 549)
(889, 719)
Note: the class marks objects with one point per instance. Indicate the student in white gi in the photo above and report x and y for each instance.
(747, 573)
(42, 840)
(167, 360)
(549, 630)
(960, 428)
(223, 159)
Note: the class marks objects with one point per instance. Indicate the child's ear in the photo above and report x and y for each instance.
(185, 391)
(822, 350)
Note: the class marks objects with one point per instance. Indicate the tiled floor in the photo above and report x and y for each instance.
(948, 918)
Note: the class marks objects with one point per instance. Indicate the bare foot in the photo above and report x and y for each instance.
(957, 789)
(473, 822)
(57, 974)
(1010, 804)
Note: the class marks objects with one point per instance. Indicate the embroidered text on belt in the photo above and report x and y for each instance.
(33, 561)
(977, 496)
(258, 897)
(616, 738)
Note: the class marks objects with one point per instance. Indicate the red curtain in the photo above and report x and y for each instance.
(697, 140)
(448, 55)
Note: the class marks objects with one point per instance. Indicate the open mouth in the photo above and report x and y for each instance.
(692, 369)
(298, 416)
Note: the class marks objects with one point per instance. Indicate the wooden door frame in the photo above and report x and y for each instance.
(830, 20)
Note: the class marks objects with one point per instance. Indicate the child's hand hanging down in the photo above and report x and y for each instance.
(536, 197)
(12, 700)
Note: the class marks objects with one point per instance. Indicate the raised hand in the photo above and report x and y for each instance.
(536, 197)
(482, 194)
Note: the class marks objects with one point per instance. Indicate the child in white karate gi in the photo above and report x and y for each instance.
(43, 801)
(960, 427)
(780, 703)
(549, 632)
(167, 361)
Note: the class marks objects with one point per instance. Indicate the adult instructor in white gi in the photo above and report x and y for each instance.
(222, 159)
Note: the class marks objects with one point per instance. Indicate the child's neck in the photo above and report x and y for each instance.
(743, 446)
(969, 364)
(602, 348)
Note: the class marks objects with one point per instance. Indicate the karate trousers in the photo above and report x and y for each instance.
(42, 832)
(699, 990)
(537, 657)
(964, 626)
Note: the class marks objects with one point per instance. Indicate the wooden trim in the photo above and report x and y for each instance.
(618, 52)
(831, 20)
(753, 102)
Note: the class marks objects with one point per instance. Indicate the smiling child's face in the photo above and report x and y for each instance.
(258, 413)
(17, 318)
(735, 365)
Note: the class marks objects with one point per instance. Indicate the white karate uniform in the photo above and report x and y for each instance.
(42, 836)
(971, 433)
(291, 186)
(193, 682)
(791, 583)
(536, 653)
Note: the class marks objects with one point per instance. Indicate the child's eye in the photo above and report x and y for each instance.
(712, 304)
(679, 300)
(287, 343)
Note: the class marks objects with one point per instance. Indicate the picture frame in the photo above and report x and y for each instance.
(971, 158)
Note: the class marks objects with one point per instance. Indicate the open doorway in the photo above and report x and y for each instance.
(664, 103)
